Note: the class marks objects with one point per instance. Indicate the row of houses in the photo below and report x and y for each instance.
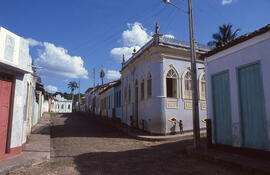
(154, 92)
(23, 99)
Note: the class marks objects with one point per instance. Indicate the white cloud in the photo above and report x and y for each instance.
(169, 36)
(225, 2)
(51, 88)
(113, 74)
(117, 53)
(134, 37)
(33, 42)
(55, 61)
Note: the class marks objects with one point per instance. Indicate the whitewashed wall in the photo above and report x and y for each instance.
(15, 60)
(154, 110)
(255, 49)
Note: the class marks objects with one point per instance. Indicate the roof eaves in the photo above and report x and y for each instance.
(236, 41)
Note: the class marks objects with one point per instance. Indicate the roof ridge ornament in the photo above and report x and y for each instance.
(157, 28)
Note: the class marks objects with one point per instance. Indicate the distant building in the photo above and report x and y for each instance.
(238, 96)
(63, 105)
(110, 100)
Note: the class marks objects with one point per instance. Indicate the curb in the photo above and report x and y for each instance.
(151, 138)
(18, 167)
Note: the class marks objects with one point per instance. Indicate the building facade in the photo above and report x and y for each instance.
(16, 91)
(238, 98)
(63, 105)
(156, 86)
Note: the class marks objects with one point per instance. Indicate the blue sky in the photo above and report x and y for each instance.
(69, 38)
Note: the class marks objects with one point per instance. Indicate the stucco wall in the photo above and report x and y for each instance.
(15, 60)
(118, 110)
(256, 49)
(110, 93)
(154, 110)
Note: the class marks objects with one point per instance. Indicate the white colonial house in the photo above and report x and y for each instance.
(156, 86)
(238, 96)
(63, 105)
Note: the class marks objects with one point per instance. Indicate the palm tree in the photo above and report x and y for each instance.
(72, 85)
(224, 36)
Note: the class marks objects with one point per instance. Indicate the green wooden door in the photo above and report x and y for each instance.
(222, 108)
(252, 107)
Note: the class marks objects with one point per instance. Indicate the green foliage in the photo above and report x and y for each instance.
(72, 85)
(224, 35)
(67, 96)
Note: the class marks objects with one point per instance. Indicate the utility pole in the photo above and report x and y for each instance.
(79, 95)
(94, 70)
(102, 75)
(195, 107)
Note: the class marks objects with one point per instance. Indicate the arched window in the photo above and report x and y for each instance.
(171, 83)
(202, 83)
(58, 106)
(149, 85)
(142, 89)
(68, 106)
(186, 85)
(62, 106)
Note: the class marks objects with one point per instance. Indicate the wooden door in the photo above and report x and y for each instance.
(252, 107)
(5, 96)
(222, 108)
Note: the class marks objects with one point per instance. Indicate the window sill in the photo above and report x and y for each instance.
(172, 98)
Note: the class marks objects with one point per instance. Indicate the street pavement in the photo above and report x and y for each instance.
(80, 145)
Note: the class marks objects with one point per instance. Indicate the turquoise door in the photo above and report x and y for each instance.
(222, 108)
(252, 107)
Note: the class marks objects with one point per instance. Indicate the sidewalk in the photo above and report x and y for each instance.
(35, 151)
(143, 135)
(246, 164)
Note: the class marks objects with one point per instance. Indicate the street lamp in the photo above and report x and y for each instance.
(195, 108)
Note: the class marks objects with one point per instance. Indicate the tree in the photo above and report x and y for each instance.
(72, 86)
(224, 35)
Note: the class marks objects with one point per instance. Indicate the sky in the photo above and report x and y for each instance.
(68, 38)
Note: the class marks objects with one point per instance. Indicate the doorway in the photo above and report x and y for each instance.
(5, 103)
(252, 107)
(222, 108)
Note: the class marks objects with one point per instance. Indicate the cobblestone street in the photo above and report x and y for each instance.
(81, 145)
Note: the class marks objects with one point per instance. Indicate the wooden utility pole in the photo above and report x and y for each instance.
(195, 107)
(79, 95)
(94, 70)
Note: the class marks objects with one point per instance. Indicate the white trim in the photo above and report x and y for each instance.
(200, 86)
(165, 83)
(183, 84)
